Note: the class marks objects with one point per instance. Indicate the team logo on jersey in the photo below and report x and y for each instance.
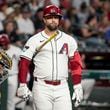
(64, 49)
(25, 48)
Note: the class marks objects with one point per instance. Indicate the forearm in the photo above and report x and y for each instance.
(75, 64)
(23, 69)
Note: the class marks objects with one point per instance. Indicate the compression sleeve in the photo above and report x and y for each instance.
(75, 66)
(23, 69)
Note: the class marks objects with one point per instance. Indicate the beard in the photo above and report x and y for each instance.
(52, 27)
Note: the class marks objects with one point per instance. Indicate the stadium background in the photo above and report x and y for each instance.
(87, 20)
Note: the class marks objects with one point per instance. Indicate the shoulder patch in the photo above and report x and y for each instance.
(25, 48)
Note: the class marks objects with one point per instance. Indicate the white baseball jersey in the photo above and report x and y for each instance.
(51, 62)
(14, 53)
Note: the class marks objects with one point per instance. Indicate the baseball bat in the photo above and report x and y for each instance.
(51, 37)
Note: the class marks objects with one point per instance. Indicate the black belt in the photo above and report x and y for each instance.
(51, 82)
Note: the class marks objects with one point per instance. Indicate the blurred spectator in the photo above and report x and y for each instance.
(87, 30)
(10, 28)
(47, 2)
(38, 20)
(10, 13)
(107, 36)
(67, 26)
(83, 13)
(17, 11)
(3, 7)
(65, 4)
(1, 26)
(40, 3)
(25, 24)
(71, 14)
(21, 2)
(106, 9)
(56, 2)
(90, 32)
(34, 5)
(90, 28)
(105, 29)
(77, 3)
(96, 8)
(95, 4)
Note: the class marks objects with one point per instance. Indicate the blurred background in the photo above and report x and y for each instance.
(88, 21)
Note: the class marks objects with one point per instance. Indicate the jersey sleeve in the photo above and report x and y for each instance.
(75, 63)
(25, 60)
(29, 49)
(72, 47)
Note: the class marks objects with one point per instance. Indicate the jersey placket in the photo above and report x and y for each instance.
(54, 59)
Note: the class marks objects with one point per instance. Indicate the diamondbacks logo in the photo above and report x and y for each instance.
(52, 11)
(64, 49)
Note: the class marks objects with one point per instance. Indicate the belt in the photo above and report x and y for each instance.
(51, 82)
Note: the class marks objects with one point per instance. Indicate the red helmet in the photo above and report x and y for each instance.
(4, 40)
(52, 10)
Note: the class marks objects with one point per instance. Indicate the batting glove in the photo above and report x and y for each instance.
(24, 92)
(77, 95)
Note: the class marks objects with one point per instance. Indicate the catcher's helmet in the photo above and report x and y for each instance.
(52, 10)
(4, 40)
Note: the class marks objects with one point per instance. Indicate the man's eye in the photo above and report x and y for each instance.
(49, 17)
(56, 17)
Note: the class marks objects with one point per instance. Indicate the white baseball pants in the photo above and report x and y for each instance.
(51, 97)
(12, 87)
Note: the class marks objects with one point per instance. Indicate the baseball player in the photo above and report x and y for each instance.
(13, 52)
(50, 88)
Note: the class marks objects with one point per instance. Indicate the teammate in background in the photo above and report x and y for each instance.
(87, 84)
(14, 53)
(50, 87)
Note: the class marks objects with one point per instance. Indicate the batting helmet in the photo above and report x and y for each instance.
(4, 40)
(52, 10)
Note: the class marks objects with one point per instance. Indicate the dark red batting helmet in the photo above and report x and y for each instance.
(4, 40)
(52, 10)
